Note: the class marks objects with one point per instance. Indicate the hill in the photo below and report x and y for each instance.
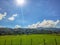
(10, 31)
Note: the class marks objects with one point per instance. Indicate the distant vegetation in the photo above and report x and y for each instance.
(19, 31)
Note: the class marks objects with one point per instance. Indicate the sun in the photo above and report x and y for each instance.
(20, 2)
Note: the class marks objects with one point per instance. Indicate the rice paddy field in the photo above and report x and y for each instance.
(34, 39)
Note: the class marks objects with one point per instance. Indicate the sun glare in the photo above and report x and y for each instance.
(20, 2)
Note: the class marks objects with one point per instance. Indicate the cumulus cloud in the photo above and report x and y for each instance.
(12, 18)
(17, 26)
(2, 15)
(45, 24)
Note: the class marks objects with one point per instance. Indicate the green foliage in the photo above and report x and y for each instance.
(37, 39)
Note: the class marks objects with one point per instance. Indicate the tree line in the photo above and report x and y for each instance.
(19, 31)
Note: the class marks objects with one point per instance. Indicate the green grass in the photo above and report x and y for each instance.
(37, 39)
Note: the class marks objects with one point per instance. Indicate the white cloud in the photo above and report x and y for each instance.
(17, 26)
(12, 18)
(14, 15)
(2, 15)
(45, 24)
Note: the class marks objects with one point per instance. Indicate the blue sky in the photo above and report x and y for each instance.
(33, 12)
